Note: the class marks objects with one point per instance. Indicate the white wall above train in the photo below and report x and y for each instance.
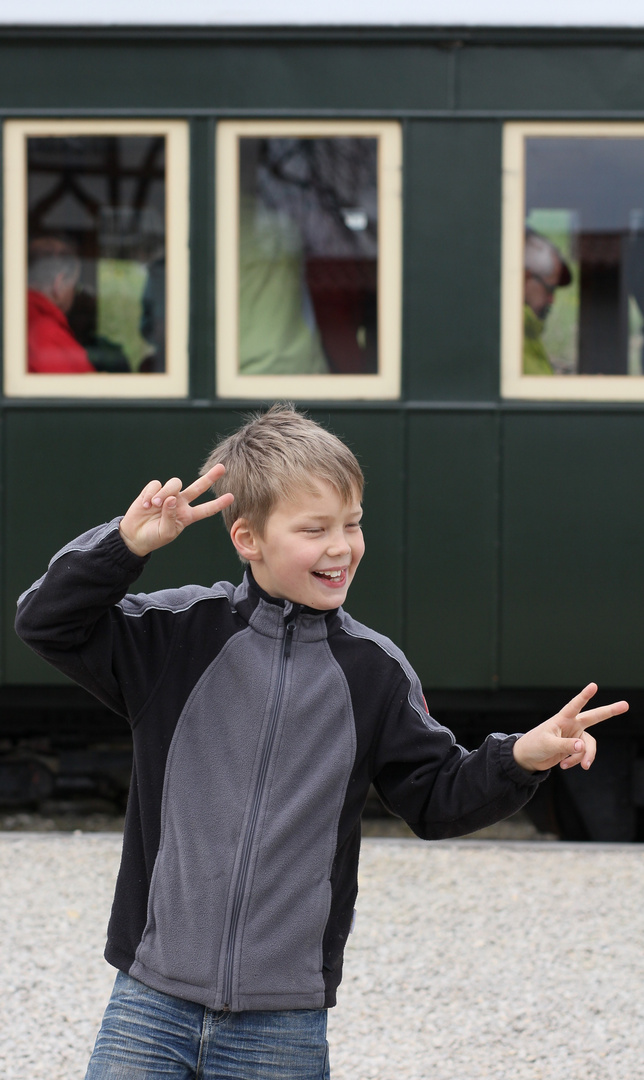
(553, 13)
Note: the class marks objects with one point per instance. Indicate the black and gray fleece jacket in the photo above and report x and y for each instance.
(257, 727)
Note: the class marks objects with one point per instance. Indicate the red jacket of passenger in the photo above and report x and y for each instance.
(52, 347)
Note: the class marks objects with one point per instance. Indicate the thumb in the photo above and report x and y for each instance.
(169, 525)
(570, 747)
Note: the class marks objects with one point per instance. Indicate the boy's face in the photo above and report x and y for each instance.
(310, 549)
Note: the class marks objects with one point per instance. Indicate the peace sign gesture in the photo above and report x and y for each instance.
(162, 511)
(563, 739)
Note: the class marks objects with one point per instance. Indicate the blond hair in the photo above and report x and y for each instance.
(273, 456)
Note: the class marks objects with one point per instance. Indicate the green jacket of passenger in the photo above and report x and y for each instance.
(535, 357)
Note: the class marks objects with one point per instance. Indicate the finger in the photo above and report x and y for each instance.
(169, 508)
(202, 483)
(584, 756)
(148, 492)
(212, 507)
(591, 750)
(574, 707)
(169, 525)
(602, 712)
(574, 750)
(171, 487)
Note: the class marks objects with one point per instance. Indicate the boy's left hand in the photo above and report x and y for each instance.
(563, 739)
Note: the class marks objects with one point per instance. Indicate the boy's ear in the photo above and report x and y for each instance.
(245, 539)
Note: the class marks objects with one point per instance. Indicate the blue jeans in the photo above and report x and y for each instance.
(146, 1035)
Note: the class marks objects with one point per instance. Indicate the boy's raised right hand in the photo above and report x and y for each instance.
(162, 511)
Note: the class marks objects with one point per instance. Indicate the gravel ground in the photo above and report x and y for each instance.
(470, 959)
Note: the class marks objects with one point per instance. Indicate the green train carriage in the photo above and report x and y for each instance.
(503, 519)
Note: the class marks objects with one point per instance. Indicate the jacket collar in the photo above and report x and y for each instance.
(269, 614)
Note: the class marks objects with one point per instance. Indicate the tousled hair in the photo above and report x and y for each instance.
(273, 456)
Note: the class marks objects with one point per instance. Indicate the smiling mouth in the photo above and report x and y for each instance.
(330, 575)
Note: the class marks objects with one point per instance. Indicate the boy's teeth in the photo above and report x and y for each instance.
(330, 573)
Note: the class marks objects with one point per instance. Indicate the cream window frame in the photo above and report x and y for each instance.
(18, 382)
(514, 384)
(386, 384)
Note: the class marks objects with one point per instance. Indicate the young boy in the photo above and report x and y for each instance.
(260, 714)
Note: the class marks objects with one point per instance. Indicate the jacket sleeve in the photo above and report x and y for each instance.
(71, 617)
(438, 787)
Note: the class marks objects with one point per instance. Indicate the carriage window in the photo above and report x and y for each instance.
(101, 306)
(308, 244)
(573, 297)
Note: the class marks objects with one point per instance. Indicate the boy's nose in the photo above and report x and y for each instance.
(338, 545)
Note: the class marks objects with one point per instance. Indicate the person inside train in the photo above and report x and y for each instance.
(278, 332)
(52, 276)
(545, 270)
(261, 714)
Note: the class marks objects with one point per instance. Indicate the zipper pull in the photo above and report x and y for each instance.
(288, 640)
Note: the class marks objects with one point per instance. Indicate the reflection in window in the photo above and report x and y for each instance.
(96, 254)
(308, 255)
(584, 255)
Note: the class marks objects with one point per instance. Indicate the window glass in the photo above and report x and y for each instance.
(95, 240)
(308, 256)
(586, 196)
(96, 252)
(308, 210)
(581, 262)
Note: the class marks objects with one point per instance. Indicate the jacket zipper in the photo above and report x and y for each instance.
(242, 877)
